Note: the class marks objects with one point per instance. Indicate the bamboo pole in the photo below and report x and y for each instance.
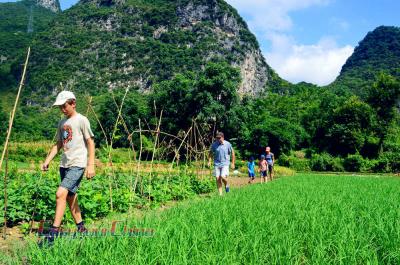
(89, 101)
(110, 149)
(15, 108)
(126, 130)
(140, 159)
(155, 143)
(5, 150)
(98, 121)
(5, 194)
(132, 186)
(154, 148)
(179, 148)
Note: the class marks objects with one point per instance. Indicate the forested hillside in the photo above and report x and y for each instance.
(378, 52)
(196, 61)
(19, 22)
(95, 46)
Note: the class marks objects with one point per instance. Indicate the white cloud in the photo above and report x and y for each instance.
(270, 20)
(318, 63)
(339, 23)
(268, 15)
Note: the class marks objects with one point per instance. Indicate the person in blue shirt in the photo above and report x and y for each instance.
(222, 151)
(251, 169)
(269, 156)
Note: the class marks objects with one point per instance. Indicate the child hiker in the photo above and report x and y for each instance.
(250, 167)
(75, 137)
(263, 167)
(269, 156)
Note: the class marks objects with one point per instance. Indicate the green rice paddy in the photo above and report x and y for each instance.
(305, 219)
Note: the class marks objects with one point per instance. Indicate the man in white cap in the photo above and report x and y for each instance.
(75, 137)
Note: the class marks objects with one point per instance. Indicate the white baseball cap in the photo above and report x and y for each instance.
(62, 97)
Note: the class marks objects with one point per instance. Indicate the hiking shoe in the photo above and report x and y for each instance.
(54, 232)
(82, 229)
(48, 239)
(227, 189)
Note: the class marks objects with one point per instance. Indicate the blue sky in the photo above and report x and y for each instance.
(310, 40)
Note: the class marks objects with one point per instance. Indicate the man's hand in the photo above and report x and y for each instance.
(45, 167)
(233, 166)
(53, 152)
(90, 172)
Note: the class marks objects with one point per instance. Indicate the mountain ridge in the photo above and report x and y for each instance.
(378, 51)
(134, 44)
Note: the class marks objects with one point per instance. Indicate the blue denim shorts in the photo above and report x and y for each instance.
(71, 178)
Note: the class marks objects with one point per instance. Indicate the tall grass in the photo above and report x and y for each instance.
(306, 219)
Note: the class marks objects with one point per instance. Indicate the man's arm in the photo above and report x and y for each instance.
(53, 152)
(233, 159)
(90, 172)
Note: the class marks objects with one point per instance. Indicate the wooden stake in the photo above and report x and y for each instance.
(110, 149)
(154, 148)
(15, 108)
(140, 159)
(5, 150)
(155, 142)
(5, 194)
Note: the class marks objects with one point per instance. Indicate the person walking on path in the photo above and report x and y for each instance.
(222, 151)
(75, 137)
(263, 167)
(251, 169)
(269, 156)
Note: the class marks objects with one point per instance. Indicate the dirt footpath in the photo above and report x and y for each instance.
(241, 181)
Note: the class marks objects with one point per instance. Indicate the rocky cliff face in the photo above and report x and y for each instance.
(53, 5)
(230, 28)
(106, 44)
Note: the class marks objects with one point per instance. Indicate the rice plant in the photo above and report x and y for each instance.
(305, 219)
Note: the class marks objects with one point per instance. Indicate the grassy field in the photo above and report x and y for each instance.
(305, 219)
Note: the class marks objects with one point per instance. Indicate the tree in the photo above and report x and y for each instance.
(174, 97)
(135, 107)
(383, 97)
(210, 98)
(351, 127)
(318, 118)
(215, 94)
(281, 135)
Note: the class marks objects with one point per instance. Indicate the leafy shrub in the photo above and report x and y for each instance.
(33, 195)
(283, 171)
(293, 162)
(388, 162)
(354, 163)
(241, 164)
(201, 186)
(325, 162)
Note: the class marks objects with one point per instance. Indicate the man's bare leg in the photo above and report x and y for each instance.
(74, 207)
(61, 203)
(219, 185)
(225, 180)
